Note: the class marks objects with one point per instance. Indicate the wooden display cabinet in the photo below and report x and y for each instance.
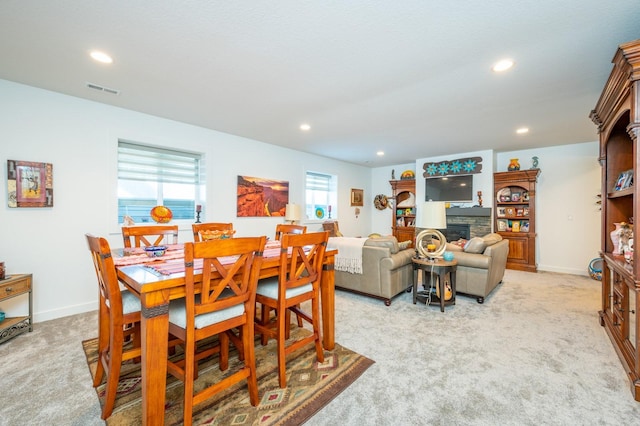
(617, 115)
(404, 210)
(515, 216)
(13, 286)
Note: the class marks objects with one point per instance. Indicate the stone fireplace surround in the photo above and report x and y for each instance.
(478, 220)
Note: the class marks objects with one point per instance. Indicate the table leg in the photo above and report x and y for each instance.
(328, 305)
(415, 283)
(452, 274)
(155, 335)
(441, 278)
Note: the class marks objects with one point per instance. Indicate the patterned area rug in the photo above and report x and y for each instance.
(310, 386)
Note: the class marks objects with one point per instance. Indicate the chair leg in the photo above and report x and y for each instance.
(315, 314)
(189, 372)
(250, 361)
(282, 360)
(113, 375)
(264, 320)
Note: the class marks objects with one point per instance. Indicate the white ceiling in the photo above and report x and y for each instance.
(409, 77)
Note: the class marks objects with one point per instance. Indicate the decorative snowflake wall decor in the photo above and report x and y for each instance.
(464, 166)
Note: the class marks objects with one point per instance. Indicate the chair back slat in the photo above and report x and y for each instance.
(108, 283)
(301, 259)
(229, 277)
(152, 235)
(285, 228)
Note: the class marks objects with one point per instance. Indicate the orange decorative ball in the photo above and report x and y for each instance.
(161, 214)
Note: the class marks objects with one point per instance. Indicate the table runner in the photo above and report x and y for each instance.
(175, 265)
(137, 255)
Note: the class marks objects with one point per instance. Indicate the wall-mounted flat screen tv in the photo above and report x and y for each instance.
(453, 189)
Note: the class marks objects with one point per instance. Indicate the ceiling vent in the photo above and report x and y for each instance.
(102, 88)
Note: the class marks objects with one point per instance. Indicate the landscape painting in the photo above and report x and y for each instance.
(258, 197)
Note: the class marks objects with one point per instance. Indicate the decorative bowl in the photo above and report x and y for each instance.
(448, 256)
(155, 251)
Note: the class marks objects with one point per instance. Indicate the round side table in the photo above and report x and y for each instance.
(440, 268)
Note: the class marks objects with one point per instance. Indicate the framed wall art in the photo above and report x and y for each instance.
(259, 197)
(357, 197)
(29, 184)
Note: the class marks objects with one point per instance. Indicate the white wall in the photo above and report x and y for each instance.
(80, 139)
(567, 216)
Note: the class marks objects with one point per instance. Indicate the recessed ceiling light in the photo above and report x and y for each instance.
(101, 57)
(502, 65)
(305, 127)
(380, 153)
(522, 130)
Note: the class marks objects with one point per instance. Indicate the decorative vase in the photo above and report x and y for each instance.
(615, 239)
(513, 165)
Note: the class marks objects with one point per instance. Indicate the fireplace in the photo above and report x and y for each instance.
(477, 220)
(456, 231)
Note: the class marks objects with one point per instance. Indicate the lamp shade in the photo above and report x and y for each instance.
(292, 212)
(433, 215)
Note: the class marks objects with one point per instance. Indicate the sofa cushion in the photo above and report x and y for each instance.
(491, 239)
(475, 245)
(388, 242)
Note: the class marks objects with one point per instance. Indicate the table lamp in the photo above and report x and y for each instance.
(432, 216)
(292, 213)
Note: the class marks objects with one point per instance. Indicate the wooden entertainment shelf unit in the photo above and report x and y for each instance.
(617, 115)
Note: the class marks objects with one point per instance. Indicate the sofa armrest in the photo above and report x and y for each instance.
(399, 259)
(473, 260)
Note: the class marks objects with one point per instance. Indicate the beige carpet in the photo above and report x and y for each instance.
(533, 354)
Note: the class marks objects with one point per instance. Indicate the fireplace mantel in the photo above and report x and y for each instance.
(469, 211)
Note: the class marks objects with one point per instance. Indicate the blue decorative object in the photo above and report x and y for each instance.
(1, 316)
(155, 251)
(455, 167)
(448, 256)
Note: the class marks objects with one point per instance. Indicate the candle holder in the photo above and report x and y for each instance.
(198, 217)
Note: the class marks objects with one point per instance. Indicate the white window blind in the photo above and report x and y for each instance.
(145, 163)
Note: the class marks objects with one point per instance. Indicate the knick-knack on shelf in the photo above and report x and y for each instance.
(513, 165)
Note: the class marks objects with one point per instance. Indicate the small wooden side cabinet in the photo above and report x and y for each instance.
(13, 286)
(404, 210)
(515, 216)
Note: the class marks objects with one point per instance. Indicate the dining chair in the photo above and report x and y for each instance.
(149, 235)
(298, 281)
(116, 308)
(199, 228)
(226, 303)
(285, 228)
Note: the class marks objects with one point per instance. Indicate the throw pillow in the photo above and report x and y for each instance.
(475, 245)
(404, 245)
(388, 242)
(491, 239)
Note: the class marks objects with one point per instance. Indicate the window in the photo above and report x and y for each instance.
(321, 198)
(150, 176)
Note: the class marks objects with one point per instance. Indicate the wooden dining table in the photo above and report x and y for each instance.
(155, 290)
